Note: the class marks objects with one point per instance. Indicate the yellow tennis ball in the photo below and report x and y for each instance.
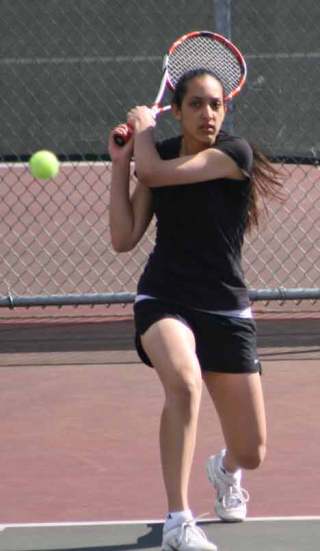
(44, 165)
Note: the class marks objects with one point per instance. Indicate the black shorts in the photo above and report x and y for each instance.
(223, 344)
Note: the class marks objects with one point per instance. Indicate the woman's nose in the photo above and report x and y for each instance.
(207, 111)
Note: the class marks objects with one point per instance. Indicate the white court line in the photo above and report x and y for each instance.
(292, 55)
(71, 60)
(281, 519)
(148, 521)
(138, 58)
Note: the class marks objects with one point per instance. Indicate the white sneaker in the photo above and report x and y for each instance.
(231, 501)
(186, 537)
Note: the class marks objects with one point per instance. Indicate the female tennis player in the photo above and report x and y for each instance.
(192, 311)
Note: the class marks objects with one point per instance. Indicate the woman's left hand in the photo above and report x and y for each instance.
(141, 118)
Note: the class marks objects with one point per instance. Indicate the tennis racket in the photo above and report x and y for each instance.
(197, 50)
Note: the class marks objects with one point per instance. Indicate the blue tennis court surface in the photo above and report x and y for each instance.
(256, 534)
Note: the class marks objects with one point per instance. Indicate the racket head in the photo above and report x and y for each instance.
(198, 50)
(209, 51)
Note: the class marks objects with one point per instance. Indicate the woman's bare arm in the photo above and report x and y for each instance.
(130, 213)
(153, 171)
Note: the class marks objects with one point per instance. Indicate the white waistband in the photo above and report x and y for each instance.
(245, 313)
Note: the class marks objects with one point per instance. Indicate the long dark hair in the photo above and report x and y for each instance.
(265, 178)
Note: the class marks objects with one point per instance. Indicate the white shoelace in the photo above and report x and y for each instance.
(234, 496)
(189, 529)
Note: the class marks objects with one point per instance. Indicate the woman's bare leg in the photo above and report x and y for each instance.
(239, 402)
(170, 345)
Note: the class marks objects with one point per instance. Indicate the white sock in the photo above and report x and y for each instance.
(236, 474)
(177, 517)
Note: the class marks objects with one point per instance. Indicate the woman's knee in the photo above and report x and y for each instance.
(184, 385)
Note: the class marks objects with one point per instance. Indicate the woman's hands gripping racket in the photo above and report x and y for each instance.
(196, 50)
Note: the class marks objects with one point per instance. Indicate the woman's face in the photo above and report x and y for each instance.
(202, 112)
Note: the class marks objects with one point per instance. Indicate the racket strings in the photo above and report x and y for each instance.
(202, 52)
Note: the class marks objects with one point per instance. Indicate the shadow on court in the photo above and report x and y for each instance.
(253, 535)
(116, 538)
(118, 335)
(66, 337)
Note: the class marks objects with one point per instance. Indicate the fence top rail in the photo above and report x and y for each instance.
(13, 301)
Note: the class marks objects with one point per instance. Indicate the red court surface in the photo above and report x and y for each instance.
(80, 414)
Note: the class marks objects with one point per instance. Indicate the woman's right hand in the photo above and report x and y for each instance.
(120, 152)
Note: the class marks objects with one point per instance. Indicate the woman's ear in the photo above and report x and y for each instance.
(176, 112)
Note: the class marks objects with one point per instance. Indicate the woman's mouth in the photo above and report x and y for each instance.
(210, 128)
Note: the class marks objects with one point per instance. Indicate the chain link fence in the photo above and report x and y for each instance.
(70, 71)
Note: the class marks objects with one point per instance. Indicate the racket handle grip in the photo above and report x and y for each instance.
(122, 137)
